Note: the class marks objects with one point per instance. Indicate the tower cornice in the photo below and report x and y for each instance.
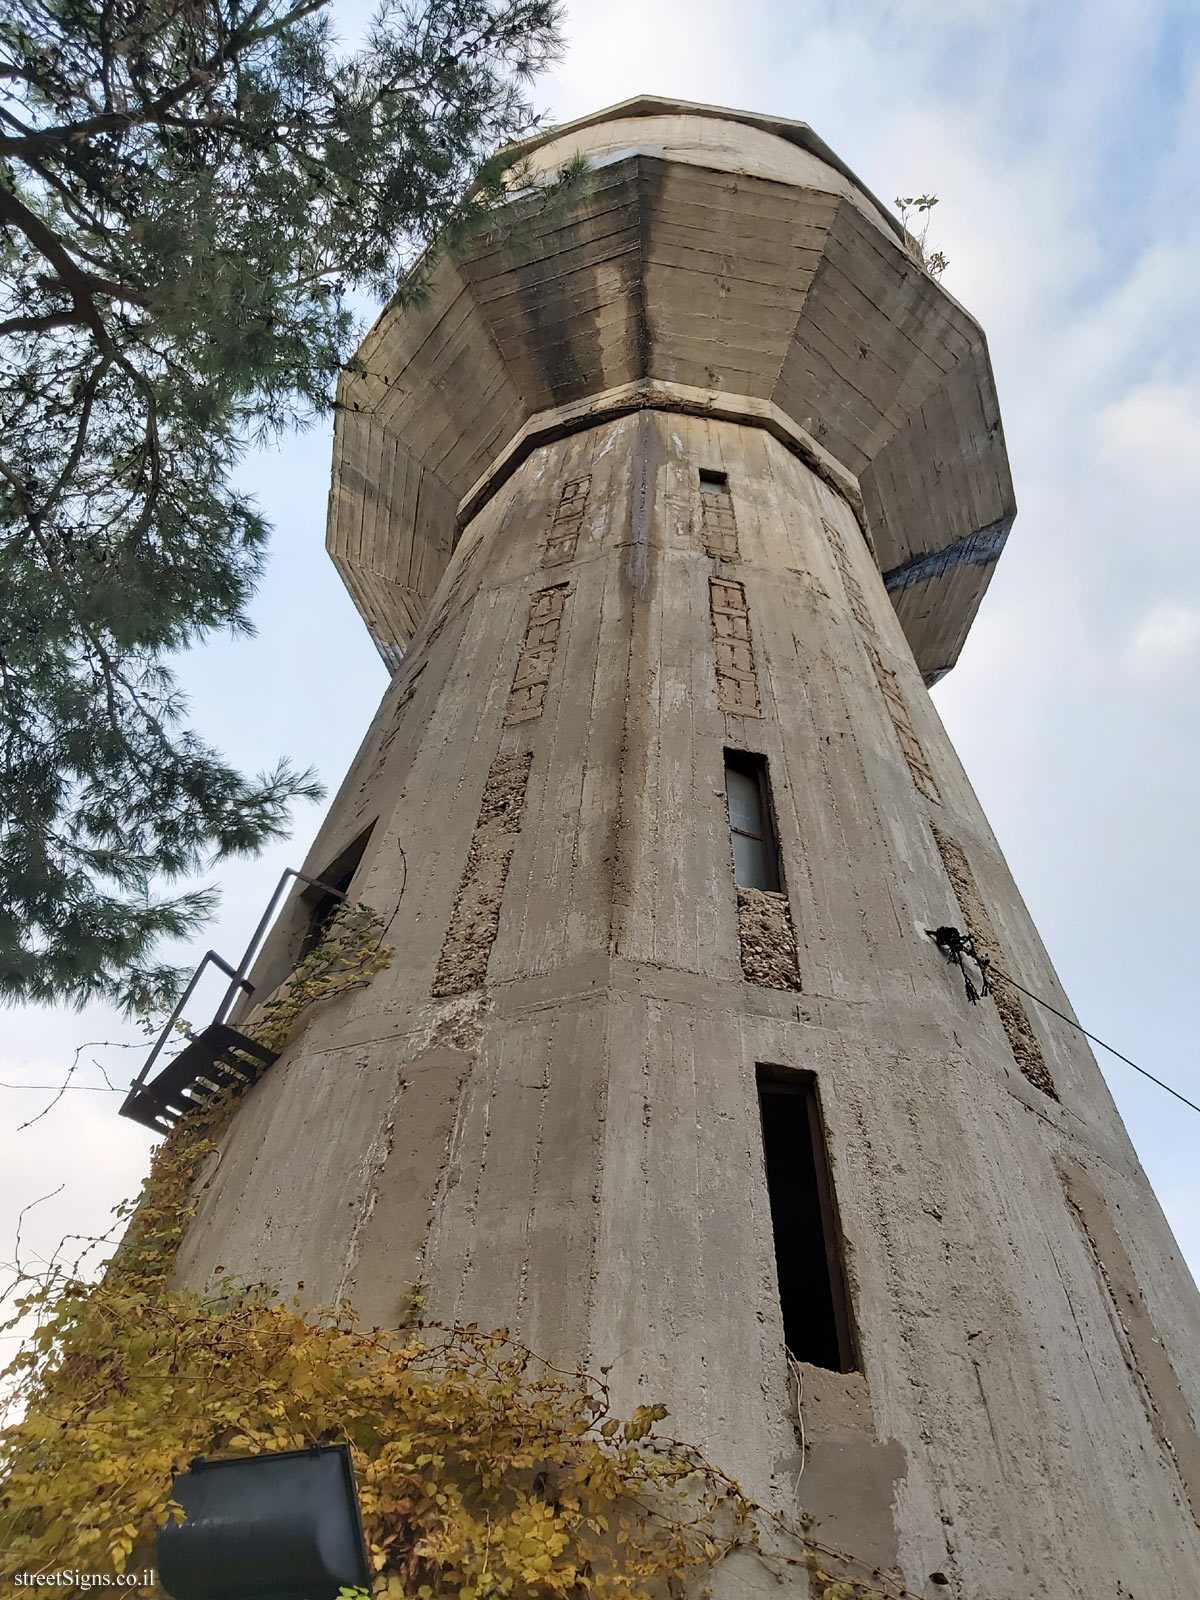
(722, 257)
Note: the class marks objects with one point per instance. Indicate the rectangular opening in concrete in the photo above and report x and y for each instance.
(318, 905)
(713, 481)
(808, 1257)
(747, 792)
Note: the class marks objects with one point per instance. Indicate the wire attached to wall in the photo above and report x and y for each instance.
(796, 1395)
(954, 945)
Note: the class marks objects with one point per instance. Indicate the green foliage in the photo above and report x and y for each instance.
(348, 954)
(190, 190)
(412, 1304)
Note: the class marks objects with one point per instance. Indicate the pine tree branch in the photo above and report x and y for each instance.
(181, 238)
(49, 141)
(71, 464)
(80, 285)
(74, 207)
(43, 323)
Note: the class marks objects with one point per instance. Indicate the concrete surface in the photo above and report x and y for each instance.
(723, 254)
(545, 1109)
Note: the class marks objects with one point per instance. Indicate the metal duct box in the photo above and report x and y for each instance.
(281, 1526)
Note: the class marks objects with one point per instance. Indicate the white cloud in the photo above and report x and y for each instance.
(1157, 424)
(666, 47)
(1166, 640)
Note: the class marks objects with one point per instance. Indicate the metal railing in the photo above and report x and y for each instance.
(142, 1087)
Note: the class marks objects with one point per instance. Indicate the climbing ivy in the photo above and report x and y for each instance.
(481, 1470)
(485, 1472)
(348, 954)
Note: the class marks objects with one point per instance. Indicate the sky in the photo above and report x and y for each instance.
(1062, 138)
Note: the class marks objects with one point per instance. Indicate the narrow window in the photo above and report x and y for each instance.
(713, 481)
(320, 905)
(812, 1291)
(755, 856)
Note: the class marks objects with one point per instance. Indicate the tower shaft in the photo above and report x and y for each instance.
(666, 1074)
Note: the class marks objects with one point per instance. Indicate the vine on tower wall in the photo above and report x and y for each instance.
(484, 1471)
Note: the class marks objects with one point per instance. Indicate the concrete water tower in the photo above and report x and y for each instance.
(664, 509)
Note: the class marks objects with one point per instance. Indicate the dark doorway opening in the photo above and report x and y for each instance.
(319, 903)
(812, 1292)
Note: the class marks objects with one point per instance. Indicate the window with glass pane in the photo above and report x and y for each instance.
(755, 862)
